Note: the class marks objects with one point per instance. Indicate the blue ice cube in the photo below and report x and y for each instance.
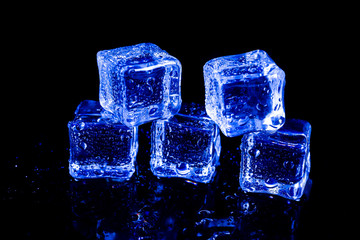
(187, 145)
(277, 163)
(139, 83)
(245, 93)
(100, 147)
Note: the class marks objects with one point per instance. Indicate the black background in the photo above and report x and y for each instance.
(56, 48)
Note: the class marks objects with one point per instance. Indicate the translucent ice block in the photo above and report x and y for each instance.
(139, 83)
(277, 163)
(99, 146)
(244, 93)
(186, 145)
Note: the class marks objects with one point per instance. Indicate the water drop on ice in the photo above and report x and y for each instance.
(82, 126)
(242, 120)
(270, 183)
(261, 107)
(277, 107)
(288, 164)
(183, 168)
(150, 80)
(254, 152)
(153, 110)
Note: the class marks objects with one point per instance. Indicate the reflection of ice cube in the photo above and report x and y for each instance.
(100, 147)
(139, 83)
(244, 93)
(277, 163)
(266, 217)
(186, 145)
(102, 208)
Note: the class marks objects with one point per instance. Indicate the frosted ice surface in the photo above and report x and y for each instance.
(99, 146)
(186, 145)
(277, 163)
(244, 93)
(139, 83)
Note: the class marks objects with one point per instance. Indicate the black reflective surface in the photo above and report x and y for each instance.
(45, 201)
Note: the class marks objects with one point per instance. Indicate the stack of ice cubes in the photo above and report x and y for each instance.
(140, 84)
(244, 95)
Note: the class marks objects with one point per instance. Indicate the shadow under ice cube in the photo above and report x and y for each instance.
(244, 93)
(187, 145)
(277, 163)
(139, 83)
(99, 146)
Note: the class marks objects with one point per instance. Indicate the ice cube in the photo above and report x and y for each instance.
(99, 146)
(244, 93)
(187, 145)
(139, 83)
(277, 163)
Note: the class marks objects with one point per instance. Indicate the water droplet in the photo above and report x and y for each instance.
(270, 183)
(174, 73)
(243, 120)
(183, 168)
(159, 170)
(277, 121)
(261, 106)
(254, 152)
(266, 90)
(131, 71)
(205, 212)
(288, 164)
(201, 142)
(83, 145)
(153, 110)
(145, 89)
(150, 80)
(130, 83)
(247, 207)
(82, 126)
(277, 107)
(230, 197)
